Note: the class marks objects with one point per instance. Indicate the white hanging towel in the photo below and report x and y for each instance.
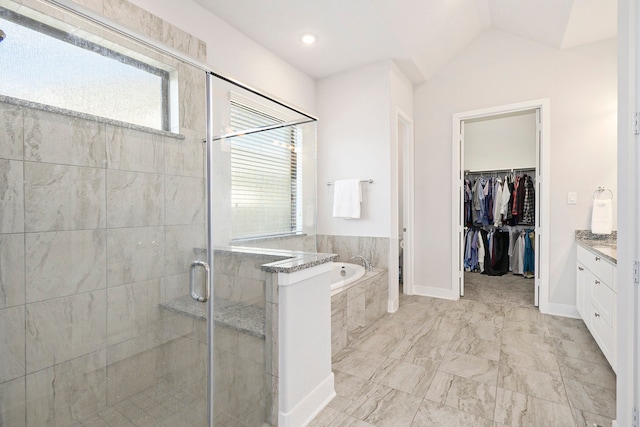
(347, 196)
(602, 217)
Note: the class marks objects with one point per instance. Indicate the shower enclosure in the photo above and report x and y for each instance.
(140, 196)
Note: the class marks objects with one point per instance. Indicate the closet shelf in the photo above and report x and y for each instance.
(513, 170)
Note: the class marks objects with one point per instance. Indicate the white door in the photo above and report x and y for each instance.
(538, 228)
(405, 198)
(461, 213)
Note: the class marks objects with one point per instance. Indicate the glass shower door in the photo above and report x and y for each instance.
(102, 214)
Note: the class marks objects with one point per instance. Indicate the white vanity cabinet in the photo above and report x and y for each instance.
(596, 299)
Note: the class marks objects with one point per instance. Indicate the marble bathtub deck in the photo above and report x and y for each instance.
(472, 363)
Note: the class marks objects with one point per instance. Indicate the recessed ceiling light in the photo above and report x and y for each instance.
(308, 39)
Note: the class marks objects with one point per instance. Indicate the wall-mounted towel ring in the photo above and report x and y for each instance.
(601, 190)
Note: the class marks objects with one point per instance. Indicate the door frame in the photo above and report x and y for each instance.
(628, 295)
(402, 120)
(542, 196)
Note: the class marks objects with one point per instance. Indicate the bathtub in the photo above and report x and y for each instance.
(352, 272)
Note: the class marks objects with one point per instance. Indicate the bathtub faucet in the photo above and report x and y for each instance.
(365, 262)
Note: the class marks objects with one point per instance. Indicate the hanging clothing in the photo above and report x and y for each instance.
(517, 259)
(497, 203)
(529, 204)
(500, 261)
(520, 198)
(468, 195)
(529, 257)
(475, 203)
(481, 249)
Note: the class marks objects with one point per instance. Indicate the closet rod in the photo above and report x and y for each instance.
(500, 170)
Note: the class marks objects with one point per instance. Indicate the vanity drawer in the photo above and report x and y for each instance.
(603, 333)
(602, 298)
(602, 268)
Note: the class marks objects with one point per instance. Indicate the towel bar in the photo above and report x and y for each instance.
(369, 181)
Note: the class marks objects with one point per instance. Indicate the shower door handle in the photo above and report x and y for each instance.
(192, 286)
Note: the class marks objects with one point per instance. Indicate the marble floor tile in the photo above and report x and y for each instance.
(329, 417)
(96, 421)
(384, 406)
(523, 313)
(489, 308)
(391, 327)
(429, 343)
(358, 363)
(488, 330)
(587, 372)
(423, 355)
(346, 387)
(537, 360)
(570, 333)
(549, 371)
(134, 414)
(591, 398)
(376, 343)
(464, 394)
(589, 352)
(471, 367)
(532, 383)
(473, 316)
(559, 321)
(437, 415)
(528, 342)
(407, 377)
(516, 409)
(466, 343)
(528, 326)
(587, 419)
(113, 417)
(13, 404)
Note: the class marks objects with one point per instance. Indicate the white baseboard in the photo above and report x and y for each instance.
(563, 310)
(310, 406)
(427, 291)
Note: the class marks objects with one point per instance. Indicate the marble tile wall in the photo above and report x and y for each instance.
(305, 243)
(97, 227)
(138, 19)
(357, 308)
(375, 249)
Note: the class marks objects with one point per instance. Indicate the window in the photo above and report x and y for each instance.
(264, 176)
(43, 64)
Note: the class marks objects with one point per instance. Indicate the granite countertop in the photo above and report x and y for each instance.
(601, 245)
(235, 315)
(301, 261)
(285, 261)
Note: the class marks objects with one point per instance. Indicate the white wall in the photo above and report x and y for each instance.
(231, 53)
(498, 69)
(354, 142)
(503, 142)
(357, 138)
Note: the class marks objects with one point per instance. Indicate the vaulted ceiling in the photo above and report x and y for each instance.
(420, 35)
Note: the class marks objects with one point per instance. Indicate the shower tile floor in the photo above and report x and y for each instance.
(160, 406)
(490, 359)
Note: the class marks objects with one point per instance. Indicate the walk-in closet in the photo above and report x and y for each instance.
(500, 208)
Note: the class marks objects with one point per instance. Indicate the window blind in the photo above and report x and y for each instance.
(264, 173)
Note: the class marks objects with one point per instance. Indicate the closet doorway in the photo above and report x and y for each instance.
(403, 205)
(506, 239)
